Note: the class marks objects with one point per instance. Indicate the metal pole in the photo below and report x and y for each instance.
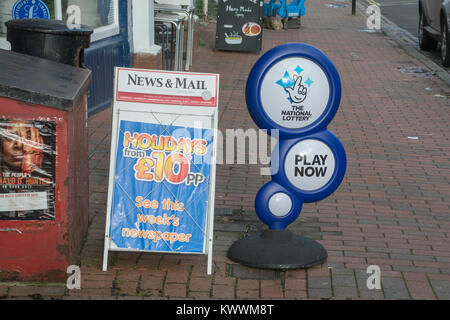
(353, 6)
(205, 8)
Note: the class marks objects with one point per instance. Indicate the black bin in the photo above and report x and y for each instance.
(49, 39)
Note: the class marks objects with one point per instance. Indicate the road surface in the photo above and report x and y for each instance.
(405, 14)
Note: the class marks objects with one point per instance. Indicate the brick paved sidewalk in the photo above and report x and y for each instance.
(391, 210)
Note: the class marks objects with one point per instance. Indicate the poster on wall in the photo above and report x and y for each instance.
(27, 169)
(161, 188)
(239, 25)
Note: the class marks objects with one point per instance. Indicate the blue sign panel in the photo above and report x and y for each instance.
(295, 88)
(30, 9)
(161, 188)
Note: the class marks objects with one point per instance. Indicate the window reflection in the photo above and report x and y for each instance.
(94, 13)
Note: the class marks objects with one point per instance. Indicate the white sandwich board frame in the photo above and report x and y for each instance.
(190, 103)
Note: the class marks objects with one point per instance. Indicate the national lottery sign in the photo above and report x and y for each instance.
(161, 185)
(296, 89)
(161, 188)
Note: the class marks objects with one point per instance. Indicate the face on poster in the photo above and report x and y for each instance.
(27, 169)
(161, 187)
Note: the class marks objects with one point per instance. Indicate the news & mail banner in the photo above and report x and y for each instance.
(169, 88)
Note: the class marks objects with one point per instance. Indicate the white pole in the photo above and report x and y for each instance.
(205, 8)
(112, 168)
(143, 25)
(212, 190)
(58, 10)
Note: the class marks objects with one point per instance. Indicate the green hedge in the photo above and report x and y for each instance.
(51, 6)
(212, 9)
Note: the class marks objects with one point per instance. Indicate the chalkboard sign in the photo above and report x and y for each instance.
(239, 25)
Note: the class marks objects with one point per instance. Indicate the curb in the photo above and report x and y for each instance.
(407, 42)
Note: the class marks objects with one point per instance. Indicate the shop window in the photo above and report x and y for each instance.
(101, 15)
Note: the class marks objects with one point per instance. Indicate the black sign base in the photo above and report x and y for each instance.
(277, 249)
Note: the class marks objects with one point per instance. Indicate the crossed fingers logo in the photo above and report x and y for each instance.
(297, 93)
(294, 87)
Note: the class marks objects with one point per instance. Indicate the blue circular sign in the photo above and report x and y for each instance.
(268, 201)
(30, 9)
(296, 89)
(311, 167)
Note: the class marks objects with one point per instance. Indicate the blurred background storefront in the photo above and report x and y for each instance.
(127, 33)
(110, 42)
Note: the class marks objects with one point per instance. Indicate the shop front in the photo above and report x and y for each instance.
(110, 44)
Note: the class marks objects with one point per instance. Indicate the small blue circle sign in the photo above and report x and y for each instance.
(30, 9)
(295, 88)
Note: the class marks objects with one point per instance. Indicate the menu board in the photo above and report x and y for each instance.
(239, 25)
